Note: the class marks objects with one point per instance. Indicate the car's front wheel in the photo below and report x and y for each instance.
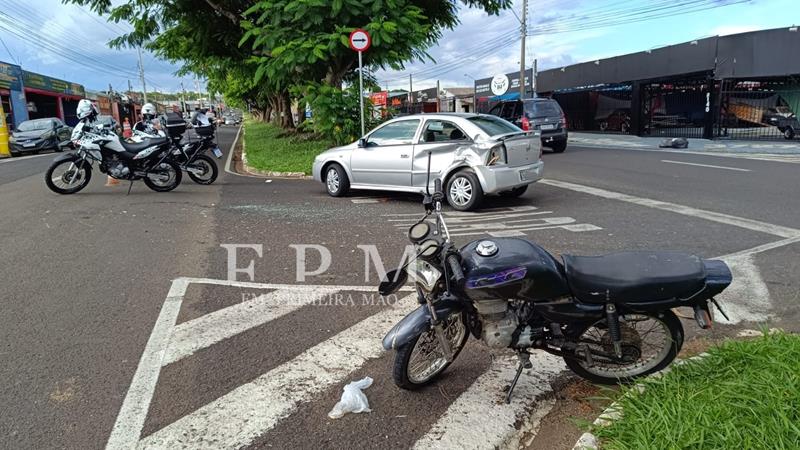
(464, 192)
(336, 182)
(788, 133)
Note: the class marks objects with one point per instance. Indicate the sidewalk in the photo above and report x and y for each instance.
(695, 145)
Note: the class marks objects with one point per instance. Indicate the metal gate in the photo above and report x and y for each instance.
(675, 108)
(759, 109)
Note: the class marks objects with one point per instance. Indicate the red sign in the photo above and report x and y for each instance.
(379, 98)
(360, 40)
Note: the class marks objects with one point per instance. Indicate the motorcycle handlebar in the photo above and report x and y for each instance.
(455, 268)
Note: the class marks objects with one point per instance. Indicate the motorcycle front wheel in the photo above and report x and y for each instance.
(68, 176)
(164, 177)
(206, 167)
(422, 360)
(650, 342)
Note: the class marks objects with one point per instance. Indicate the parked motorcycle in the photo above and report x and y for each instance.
(148, 160)
(610, 317)
(191, 154)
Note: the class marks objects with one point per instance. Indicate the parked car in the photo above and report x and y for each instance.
(789, 126)
(539, 114)
(473, 155)
(39, 134)
(773, 115)
(618, 120)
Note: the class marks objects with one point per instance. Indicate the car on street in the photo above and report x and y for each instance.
(537, 114)
(39, 134)
(473, 154)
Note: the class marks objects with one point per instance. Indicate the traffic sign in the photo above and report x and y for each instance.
(360, 40)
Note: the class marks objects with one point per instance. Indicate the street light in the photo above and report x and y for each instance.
(474, 102)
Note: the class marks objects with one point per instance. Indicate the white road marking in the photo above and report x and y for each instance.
(133, 413)
(749, 224)
(253, 285)
(705, 165)
(207, 330)
(747, 298)
(23, 158)
(245, 413)
(480, 419)
(764, 247)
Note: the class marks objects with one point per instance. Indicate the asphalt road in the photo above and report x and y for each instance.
(95, 332)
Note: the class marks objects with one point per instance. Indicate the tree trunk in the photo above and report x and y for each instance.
(287, 121)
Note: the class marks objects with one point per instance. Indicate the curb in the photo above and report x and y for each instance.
(588, 441)
(268, 173)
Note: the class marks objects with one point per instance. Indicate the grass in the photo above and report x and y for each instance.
(267, 149)
(743, 395)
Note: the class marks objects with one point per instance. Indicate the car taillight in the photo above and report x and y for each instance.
(526, 124)
(563, 120)
(496, 155)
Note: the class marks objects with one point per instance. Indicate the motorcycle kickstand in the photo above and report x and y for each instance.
(524, 363)
(129, 188)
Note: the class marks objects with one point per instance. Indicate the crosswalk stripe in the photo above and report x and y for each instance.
(194, 335)
(480, 419)
(245, 413)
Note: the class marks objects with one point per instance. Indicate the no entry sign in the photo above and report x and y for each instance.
(360, 40)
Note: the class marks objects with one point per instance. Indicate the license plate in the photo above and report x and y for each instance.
(527, 174)
(548, 126)
(217, 152)
(29, 144)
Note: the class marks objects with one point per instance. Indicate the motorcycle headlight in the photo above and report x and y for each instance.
(424, 274)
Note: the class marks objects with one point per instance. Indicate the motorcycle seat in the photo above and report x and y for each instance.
(634, 276)
(136, 147)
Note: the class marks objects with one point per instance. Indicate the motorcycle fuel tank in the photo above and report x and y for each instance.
(510, 268)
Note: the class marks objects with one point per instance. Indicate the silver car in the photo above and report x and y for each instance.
(473, 155)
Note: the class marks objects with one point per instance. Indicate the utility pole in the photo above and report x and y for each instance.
(197, 89)
(141, 75)
(183, 96)
(523, 31)
(130, 88)
(438, 97)
(410, 92)
(535, 71)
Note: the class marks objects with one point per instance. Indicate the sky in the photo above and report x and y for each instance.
(562, 32)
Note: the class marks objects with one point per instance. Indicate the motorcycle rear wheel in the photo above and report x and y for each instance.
(209, 168)
(665, 327)
(168, 168)
(419, 362)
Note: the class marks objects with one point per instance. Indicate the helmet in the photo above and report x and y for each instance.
(149, 111)
(86, 109)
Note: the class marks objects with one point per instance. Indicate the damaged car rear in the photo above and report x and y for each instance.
(474, 154)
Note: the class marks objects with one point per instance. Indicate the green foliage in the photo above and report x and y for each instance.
(268, 150)
(743, 395)
(336, 113)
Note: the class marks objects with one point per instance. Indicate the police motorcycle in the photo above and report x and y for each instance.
(148, 160)
(190, 153)
(609, 317)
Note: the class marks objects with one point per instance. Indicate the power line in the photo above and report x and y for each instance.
(9, 52)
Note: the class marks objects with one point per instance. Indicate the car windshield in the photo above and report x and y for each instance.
(542, 109)
(32, 125)
(494, 126)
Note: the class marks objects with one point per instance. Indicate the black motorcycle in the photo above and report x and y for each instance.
(610, 317)
(148, 160)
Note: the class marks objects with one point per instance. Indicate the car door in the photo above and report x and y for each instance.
(385, 157)
(442, 138)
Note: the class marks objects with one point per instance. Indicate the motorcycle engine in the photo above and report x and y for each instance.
(117, 168)
(507, 323)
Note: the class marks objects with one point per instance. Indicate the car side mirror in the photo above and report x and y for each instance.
(362, 143)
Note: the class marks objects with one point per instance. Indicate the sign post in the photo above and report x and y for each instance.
(360, 42)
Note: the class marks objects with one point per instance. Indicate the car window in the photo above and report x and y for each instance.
(542, 109)
(442, 130)
(493, 126)
(395, 133)
(508, 110)
(495, 111)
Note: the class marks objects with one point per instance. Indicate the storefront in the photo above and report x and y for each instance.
(51, 97)
(741, 86)
(490, 91)
(11, 94)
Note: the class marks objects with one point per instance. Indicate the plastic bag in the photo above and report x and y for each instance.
(353, 400)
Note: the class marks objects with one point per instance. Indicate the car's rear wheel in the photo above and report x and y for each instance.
(516, 192)
(788, 133)
(336, 182)
(464, 191)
